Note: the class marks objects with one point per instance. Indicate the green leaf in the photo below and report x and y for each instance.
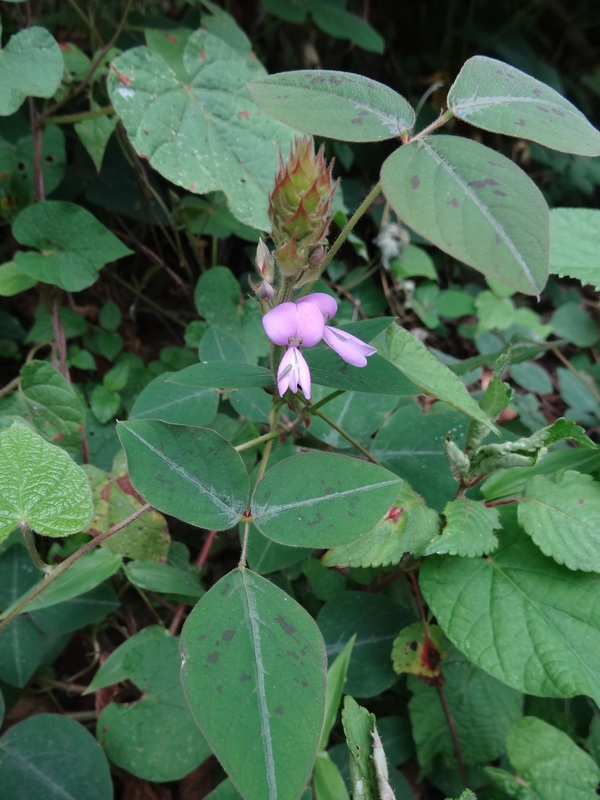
(574, 244)
(73, 245)
(49, 402)
(222, 375)
(191, 473)
(474, 204)
(543, 635)
(170, 402)
(482, 710)
(340, 105)
(411, 444)
(375, 620)
(336, 21)
(549, 762)
(429, 374)
(358, 727)
(336, 678)
(115, 669)
(497, 97)
(217, 297)
(359, 414)
(327, 780)
(13, 280)
(129, 732)
(378, 377)
(321, 499)
(248, 646)
(40, 486)
(197, 125)
(561, 512)
(52, 756)
(31, 64)
(407, 528)
(163, 578)
(571, 323)
(104, 403)
(94, 134)
(469, 530)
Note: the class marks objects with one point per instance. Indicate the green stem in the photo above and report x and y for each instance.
(346, 435)
(67, 119)
(242, 561)
(331, 396)
(259, 440)
(141, 296)
(58, 570)
(38, 562)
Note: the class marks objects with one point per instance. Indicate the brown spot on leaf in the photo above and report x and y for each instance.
(415, 181)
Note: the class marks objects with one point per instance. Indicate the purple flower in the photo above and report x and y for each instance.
(291, 325)
(352, 349)
(303, 323)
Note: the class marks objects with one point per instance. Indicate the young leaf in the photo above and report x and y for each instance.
(191, 473)
(73, 245)
(321, 499)
(407, 528)
(469, 530)
(254, 678)
(574, 250)
(31, 64)
(497, 97)
(543, 638)
(197, 125)
(40, 486)
(336, 678)
(339, 105)
(561, 512)
(48, 755)
(358, 726)
(430, 375)
(474, 204)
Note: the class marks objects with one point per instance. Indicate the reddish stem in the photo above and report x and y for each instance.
(200, 561)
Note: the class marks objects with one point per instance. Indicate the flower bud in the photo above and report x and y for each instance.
(299, 208)
(264, 262)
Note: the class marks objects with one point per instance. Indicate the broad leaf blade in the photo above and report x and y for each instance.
(222, 375)
(322, 499)
(191, 473)
(474, 204)
(469, 530)
(30, 64)
(40, 486)
(170, 402)
(340, 105)
(543, 636)
(203, 133)
(497, 97)
(560, 512)
(575, 244)
(254, 678)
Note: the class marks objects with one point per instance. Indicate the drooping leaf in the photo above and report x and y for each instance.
(321, 499)
(549, 762)
(73, 245)
(574, 240)
(497, 97)
(31, 64)
(191, 473)
(560, 512)
(407, 528)
(254, 678)
(197, 125)
(340, 105)
(52, 756)
(40, 486)
(50, 403)
(469, 530)
(429, 374)
(128, 732)
(543, 637)
(482, 709)
(474, 204)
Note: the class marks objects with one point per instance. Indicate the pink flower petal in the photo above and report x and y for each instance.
(303, 374)
(352, 349)
(325, 302)
(293, 372)
(310, 324)
(281, 323)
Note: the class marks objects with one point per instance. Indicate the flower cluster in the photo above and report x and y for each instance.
(304, 324)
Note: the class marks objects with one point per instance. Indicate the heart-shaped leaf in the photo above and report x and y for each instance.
(40, 486)
(31, 64)
(197, 125)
